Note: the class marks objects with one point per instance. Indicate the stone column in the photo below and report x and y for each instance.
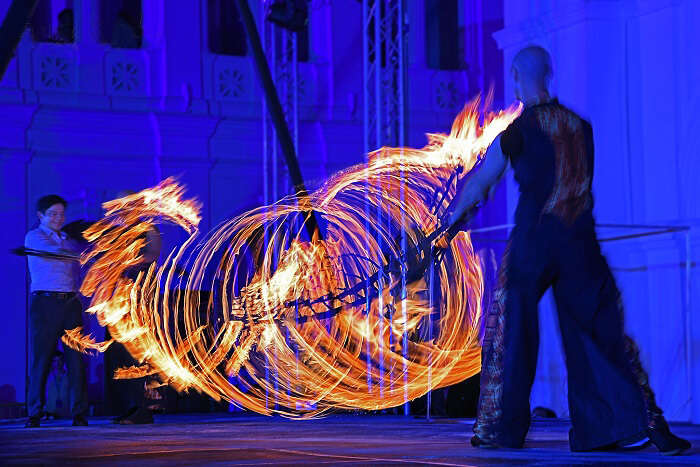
(14, 274)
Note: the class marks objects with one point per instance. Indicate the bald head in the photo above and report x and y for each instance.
(531, 69)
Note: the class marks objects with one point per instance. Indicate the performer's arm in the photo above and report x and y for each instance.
(153, 246)
(479, 186)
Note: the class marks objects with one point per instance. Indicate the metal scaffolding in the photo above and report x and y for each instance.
(384, 88)
(384, 59)
(280, 47)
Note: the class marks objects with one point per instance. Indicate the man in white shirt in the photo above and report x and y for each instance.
(54, 307)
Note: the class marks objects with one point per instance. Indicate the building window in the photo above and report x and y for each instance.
(53, 21)
(121, 23)
(226, 33)
(445, 34)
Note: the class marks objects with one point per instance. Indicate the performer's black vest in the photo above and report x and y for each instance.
(551, 151)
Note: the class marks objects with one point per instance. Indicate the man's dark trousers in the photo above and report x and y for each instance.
(605, 399)
(50, 314)
(121, 395)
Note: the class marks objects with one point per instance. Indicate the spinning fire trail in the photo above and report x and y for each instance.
(261, 315)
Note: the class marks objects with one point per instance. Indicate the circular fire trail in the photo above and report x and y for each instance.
(377, 307)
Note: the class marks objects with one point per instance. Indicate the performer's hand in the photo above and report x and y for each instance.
(463, 206)
(460, 222)
(458, 212)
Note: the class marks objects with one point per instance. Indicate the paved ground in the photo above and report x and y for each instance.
(337, 440)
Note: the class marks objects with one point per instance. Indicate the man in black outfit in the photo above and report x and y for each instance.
(128, 396)
(554, 244)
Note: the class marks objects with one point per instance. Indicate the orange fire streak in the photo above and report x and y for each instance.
(373, 351)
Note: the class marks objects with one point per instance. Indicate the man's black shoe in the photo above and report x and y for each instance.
(633, 443)
(480, 443)
(666, 442)
(129, 413)
(141, 416)
(33, 422)
(79, 420)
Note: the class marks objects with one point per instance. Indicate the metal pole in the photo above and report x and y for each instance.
(431, 282)
(275, 108)
(688, 323)
(267, 197)
(365, 72)
(14, 24)
(368, 11)
(378, 70)
(379, 20)
(402, 143)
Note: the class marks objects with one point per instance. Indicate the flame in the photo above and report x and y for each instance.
(84, 343)
(297, 325)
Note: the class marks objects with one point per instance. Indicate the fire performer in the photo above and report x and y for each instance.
(54, 307)
(554, 244)
(130, 394)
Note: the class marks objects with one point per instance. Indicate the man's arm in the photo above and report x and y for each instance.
(479, 186)
(38, 241)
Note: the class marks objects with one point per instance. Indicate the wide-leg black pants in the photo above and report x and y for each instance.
(609, 396)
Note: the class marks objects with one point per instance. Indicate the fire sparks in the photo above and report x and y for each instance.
(264, 316)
